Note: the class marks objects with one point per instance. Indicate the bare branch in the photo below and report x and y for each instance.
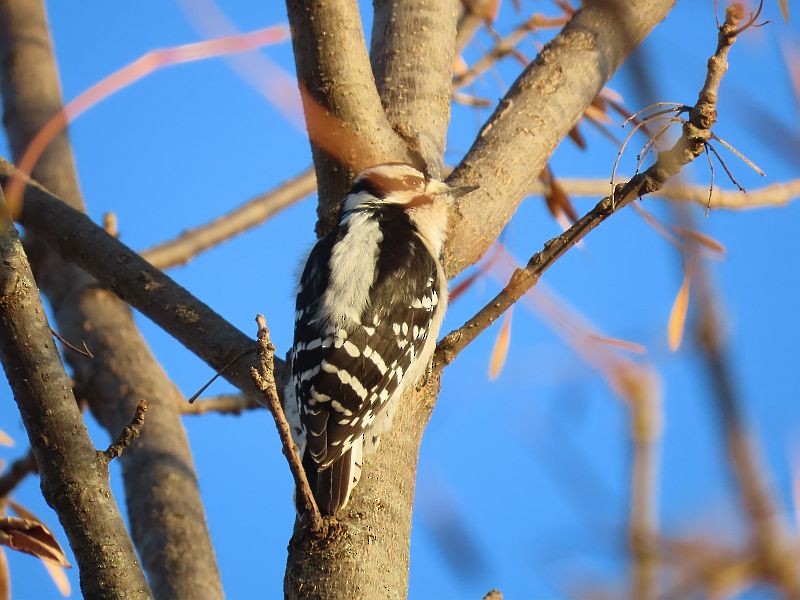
(192, 242)
(646, 424)
(340, 100)
(127, 435)
(535, 115)
(74, 482)
(773, 547)
(505, 46)
(158, 474)
(133, 279)
(774, 195)
(16, 472)
(233, 404)
(691, 144)
(413, 81)
(265, 382)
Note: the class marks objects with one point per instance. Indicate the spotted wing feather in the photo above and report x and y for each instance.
(344, 374)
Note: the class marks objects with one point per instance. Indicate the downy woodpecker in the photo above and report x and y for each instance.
(369, 307)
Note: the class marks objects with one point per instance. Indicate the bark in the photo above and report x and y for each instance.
(412, 57)
(365, 554)
(75, 237)
(166, 514)
(346, 123)
(537, 112)
(74, 476)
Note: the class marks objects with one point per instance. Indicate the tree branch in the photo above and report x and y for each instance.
(774, 195)
(16, 472)
(772, 546)
(74, 481)
(645, 426)
(264, 379)
(413, 79)
(166, 514)
(691, 144)
(537, 112)
(199, 239)
(344, 117)
(127, 435)
(133, 279)
(226, 404)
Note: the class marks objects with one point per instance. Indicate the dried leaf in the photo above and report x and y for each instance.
(59, 577)
(700, 238)
(597, 111)
(501, 346)
(558, 203)
(784, 4)
(28, 534)
(677, 316)
(5, 439)
(576, 136)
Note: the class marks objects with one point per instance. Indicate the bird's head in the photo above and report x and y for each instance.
(402, 185)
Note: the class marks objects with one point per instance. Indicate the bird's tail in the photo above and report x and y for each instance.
(333, 484)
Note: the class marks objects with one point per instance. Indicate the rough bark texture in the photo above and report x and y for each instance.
(535, 115)
(333, 68)
(164, 506)
(74, 476)
(365, 554)
(75, 237)
(412, 57)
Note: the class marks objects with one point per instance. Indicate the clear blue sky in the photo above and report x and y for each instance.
(535, 464)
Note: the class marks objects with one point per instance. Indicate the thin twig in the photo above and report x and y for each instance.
(216, 375)
(505, 46)
(645, 425)
(739, 155)
(83, 352)
(711, 183)
(199, 239)
(16, 472)
(725, 167)
(127, 435)
(695, 135)
(224, 404)
(265, 382)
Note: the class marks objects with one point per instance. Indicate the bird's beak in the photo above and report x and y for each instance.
(457, 192)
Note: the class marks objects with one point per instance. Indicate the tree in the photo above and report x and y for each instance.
(362, 106)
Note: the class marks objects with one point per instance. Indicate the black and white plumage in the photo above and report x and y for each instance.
(369, 307)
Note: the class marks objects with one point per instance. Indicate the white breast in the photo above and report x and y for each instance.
(352, 271)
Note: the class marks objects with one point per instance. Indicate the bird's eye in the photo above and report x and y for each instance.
(410, 181)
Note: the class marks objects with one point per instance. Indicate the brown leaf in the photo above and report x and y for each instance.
(27, 534)
(59, 577)
(555, 196)
(784, 4)
(677, 316)
(700, 238)
(5, 439)
(501, 345)
(576, 136)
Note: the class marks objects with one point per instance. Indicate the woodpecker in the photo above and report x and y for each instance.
(370, 303)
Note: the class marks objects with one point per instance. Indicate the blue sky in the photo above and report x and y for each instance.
(536, 463)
